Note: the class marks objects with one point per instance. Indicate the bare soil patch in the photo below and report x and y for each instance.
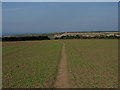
(62, 77)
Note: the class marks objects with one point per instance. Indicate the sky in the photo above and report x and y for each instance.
(44, 17)
(60, 0)
(0, 19)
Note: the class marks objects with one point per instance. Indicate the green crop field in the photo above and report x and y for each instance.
(30, 63)
(92, 63)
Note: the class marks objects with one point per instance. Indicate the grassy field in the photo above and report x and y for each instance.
(30, 63)
(34, 64)
(92, 63)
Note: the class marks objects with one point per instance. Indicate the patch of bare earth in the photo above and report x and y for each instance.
(62, 77)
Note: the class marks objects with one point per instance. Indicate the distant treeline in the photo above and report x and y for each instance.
(25, 38)
(84, 37)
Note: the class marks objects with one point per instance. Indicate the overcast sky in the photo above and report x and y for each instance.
(55, 17)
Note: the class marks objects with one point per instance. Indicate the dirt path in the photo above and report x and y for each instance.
(62, 77)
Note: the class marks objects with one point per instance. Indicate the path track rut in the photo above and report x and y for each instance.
(62, 77)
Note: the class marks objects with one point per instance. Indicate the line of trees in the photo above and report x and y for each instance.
(25, 38)
(84, 37)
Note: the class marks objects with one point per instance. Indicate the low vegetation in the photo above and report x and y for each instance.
(30, 64)
(25, 38)
(92, 63)
(88, 37)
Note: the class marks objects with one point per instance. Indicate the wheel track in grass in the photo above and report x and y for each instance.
(62, 76)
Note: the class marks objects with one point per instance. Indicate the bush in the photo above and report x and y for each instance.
(25, 38)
